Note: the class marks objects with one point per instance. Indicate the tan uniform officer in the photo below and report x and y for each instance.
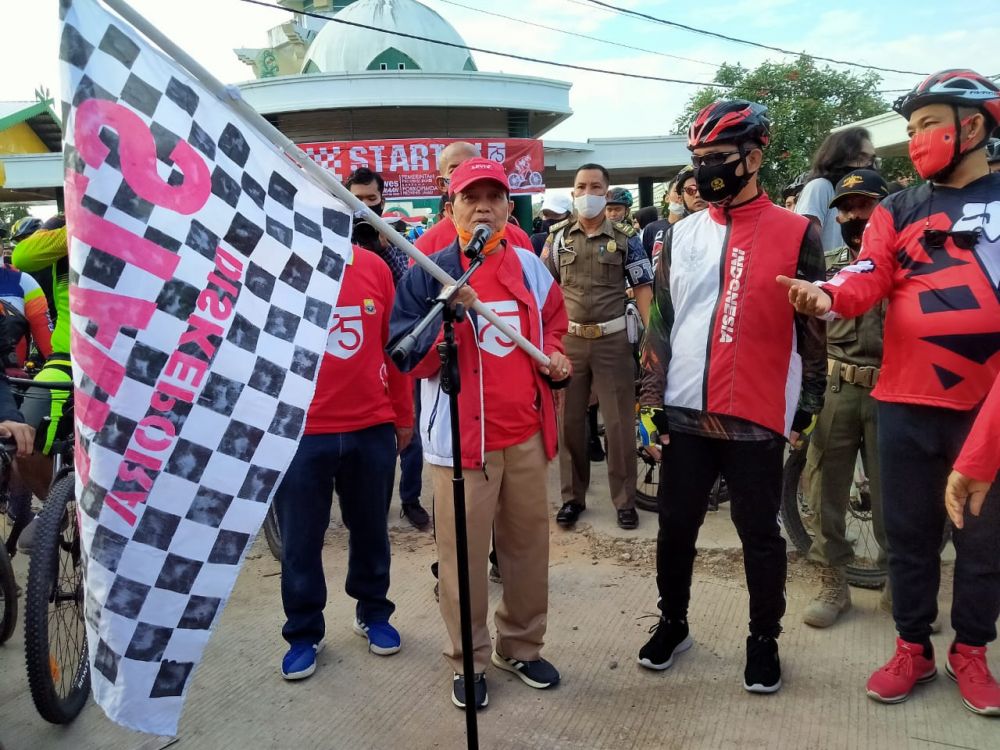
(594, 261)
(847, 424)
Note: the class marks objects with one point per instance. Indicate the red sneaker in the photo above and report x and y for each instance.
(967, 666)
(894, 682)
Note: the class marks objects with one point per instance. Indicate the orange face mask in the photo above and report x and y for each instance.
(492, 244)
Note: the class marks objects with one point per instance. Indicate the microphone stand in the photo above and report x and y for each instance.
(451, 384)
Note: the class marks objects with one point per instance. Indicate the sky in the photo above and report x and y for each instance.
(918, 35)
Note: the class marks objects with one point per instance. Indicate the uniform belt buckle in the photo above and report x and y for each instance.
(590, 331)
(849, 373)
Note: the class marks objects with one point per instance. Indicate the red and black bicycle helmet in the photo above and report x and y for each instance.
(730, 121)
(957, 87)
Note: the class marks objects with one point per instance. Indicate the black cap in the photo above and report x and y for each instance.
(866, 182)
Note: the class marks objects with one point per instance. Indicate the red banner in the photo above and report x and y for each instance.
(409, 166)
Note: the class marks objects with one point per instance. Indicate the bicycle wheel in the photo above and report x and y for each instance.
(647, 481)
(272, 532)
(55, 638)
(8, 596)
(868, 568)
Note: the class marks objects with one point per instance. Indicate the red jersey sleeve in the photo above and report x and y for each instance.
(857, 288)
(980, 456)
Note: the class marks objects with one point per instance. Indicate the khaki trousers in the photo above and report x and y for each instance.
(607, 365)
(512, 503)
(847, 424)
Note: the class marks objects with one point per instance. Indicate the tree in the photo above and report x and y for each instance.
(804, 101)
(11, 212)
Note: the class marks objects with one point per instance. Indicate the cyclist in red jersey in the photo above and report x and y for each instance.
(934, 252)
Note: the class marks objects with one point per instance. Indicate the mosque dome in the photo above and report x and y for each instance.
(339, 48)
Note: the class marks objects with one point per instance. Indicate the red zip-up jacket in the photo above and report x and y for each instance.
(529, 282)
(358, 385)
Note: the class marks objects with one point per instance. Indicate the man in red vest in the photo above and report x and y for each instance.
(731, 374)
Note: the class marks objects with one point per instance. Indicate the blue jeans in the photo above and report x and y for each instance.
(360, 466)
(411, 467)
(411, 460)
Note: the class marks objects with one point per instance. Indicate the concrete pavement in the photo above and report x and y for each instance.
(602, 586)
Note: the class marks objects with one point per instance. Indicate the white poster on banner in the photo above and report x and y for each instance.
(205, 267)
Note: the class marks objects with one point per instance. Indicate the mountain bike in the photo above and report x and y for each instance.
(55, 638)
(8, 542)
(647, 483)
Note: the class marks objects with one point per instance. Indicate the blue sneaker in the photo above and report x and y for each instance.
(300, 661)
(383, 638)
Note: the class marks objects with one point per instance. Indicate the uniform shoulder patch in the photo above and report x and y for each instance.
(627, 229)
(561, 225)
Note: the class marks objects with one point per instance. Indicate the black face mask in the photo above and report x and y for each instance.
(379, 208)
(851, 230)
(721, 184)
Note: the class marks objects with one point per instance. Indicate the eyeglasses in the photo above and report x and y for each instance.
(713, 160)
(691, 190)
(964, 240)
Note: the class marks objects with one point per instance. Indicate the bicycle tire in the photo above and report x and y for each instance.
(863, 576)
(8, 591)
(272, 532)
(791, 515)
(56, 528)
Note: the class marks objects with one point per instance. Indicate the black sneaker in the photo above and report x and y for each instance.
(458, 691)
(628, 518)
(538, 674)
(415, 514)
(670, 637)
(568, 514)
(763, 672)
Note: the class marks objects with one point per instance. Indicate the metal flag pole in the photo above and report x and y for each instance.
(232, 98)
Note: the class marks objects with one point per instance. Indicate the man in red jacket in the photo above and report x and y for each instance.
(934, 252)
(509, 434)
(360, 417)
(442, 234)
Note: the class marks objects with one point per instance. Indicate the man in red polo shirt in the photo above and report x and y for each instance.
(442, 234)
(509, 428)
(360, 417)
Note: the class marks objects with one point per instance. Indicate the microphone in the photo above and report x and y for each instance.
(480, 236)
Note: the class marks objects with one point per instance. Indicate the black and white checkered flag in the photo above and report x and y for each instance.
(204, 269)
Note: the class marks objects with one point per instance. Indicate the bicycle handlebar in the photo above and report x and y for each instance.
(29, 383)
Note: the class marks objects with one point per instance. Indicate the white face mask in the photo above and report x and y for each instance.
(676, 208)
(589, 206)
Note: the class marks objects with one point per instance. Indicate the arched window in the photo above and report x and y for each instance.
(393, 59)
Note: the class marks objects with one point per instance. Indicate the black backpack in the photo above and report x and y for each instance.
(13, 328)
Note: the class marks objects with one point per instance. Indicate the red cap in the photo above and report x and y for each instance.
(474, 170)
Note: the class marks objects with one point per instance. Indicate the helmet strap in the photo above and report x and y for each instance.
(959, 153)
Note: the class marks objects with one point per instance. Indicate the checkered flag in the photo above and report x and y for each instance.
(204, 267)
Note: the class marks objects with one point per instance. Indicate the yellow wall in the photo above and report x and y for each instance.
(21, 139)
